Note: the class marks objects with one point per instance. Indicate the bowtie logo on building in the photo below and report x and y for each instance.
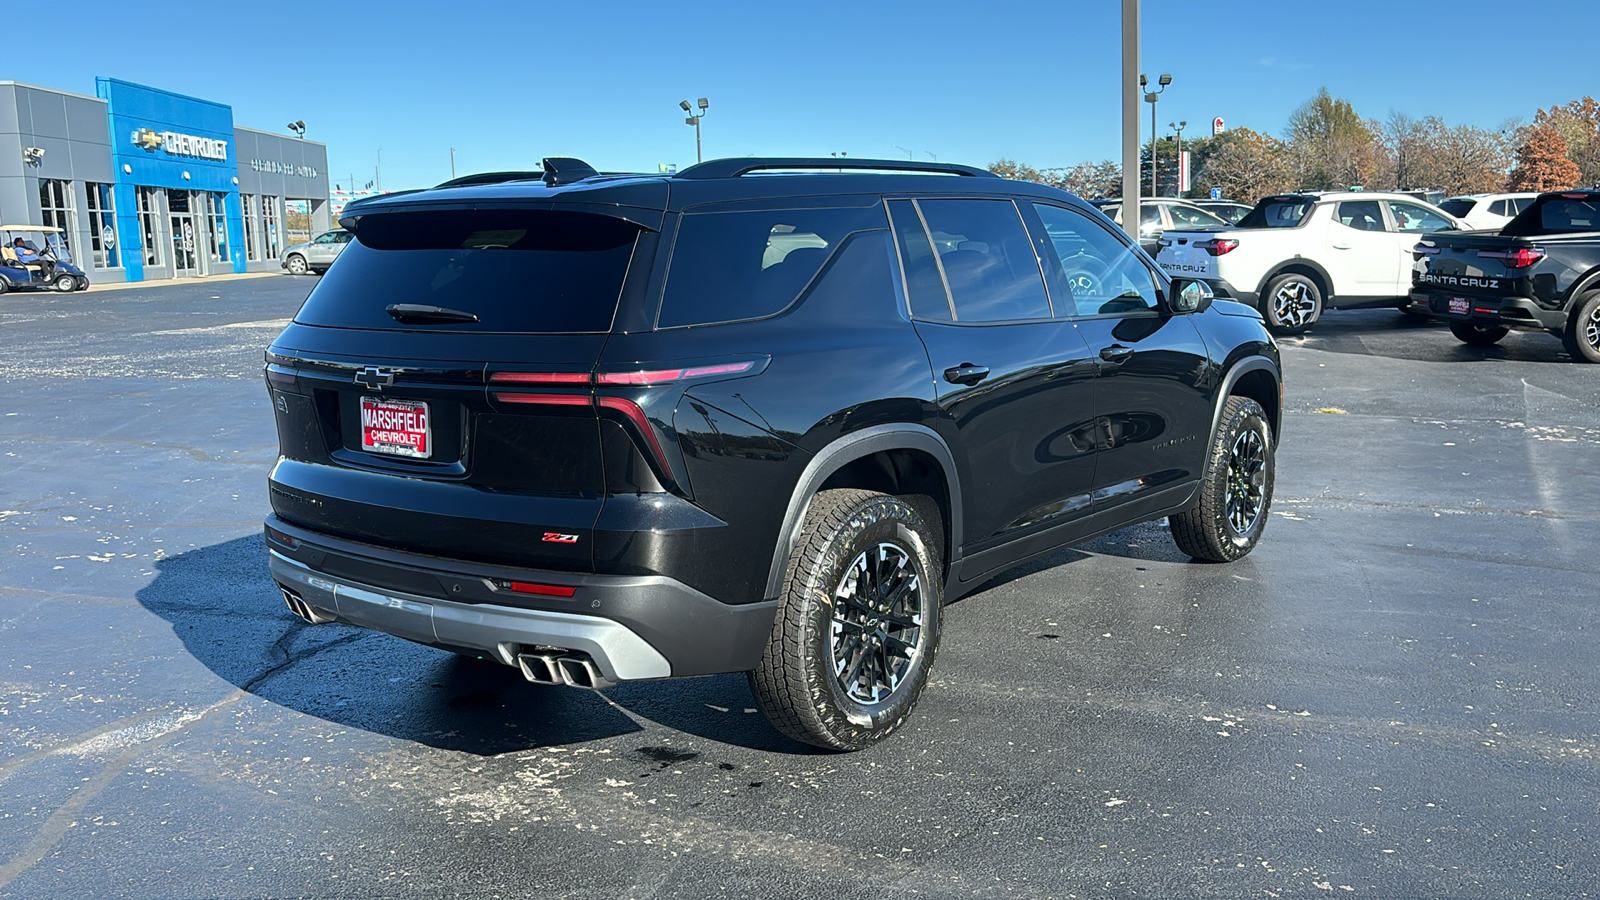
(146, 138)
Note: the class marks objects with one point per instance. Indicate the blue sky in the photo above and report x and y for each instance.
(509, 83)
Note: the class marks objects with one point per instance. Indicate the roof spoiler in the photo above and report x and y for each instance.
(734, 168)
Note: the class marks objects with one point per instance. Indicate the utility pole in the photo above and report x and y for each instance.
(1150, 97)
(452, 163)
(1179, 127)
(1130, 117)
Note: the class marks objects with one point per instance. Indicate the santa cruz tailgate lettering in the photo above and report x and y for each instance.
(399, 427)
(1467, 281)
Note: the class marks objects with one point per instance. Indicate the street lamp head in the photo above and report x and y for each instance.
(1143, 80)
(1166, 80)
(702, 103)
(1150, 97)
(1183, 123)
(684, 104)
(691, 121)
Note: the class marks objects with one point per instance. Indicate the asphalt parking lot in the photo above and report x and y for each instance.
(1394, 696)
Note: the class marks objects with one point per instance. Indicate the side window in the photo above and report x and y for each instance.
(1105, 275)
(1193, 217)
(1411, 218)
(328, 238)
(987, 260)
(924, 287)
(1362, 215)
(733, 266)
(343, 237)
(1500, 207)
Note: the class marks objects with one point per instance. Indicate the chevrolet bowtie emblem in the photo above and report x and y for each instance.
(146, 139)
(374, 378)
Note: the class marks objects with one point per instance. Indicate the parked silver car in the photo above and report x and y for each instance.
(317, 254)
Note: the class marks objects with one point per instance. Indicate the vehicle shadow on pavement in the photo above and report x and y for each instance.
(1387, 333)
(225, 608)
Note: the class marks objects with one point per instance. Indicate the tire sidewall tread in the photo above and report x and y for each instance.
(1201, 531)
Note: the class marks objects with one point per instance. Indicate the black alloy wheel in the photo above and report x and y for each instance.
(1582, 334)
(1226, 519)
(1478, 335)
(857, 623)
(1291, 303)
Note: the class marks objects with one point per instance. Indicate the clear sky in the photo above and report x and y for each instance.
(509, 83)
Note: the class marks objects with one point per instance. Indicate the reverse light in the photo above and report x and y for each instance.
(1520, 258)
(1218, 246)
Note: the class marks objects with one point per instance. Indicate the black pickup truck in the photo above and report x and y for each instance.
(1540, 272)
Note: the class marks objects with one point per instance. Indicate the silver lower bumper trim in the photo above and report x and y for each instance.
(498, 631)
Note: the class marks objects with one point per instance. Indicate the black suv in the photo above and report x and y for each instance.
(764, 416)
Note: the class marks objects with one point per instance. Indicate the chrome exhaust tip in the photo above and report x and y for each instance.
(539, 668)
(582, 673)
(301, 608)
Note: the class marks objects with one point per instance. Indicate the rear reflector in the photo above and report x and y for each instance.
(281, 538)
(543, 590)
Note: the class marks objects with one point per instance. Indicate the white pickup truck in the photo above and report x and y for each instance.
(1295, 255)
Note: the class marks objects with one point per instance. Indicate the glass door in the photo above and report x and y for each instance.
(181, 214)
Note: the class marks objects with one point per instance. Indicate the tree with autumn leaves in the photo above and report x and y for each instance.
(1329, 146)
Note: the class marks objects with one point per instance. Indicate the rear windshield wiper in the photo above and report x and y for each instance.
(417, 312)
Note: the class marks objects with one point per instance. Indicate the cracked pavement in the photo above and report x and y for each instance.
(1394, 696)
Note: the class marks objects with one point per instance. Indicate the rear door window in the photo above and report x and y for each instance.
(924, 285)
(1362, 215)
(987, 260)
(542, 271)
(734, 266)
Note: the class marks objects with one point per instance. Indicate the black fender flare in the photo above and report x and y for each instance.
(1589, 281)
(1313, 265)
(1234, 373)
(845, 450)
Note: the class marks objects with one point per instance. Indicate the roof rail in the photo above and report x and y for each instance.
(490, 178)
(733, 168)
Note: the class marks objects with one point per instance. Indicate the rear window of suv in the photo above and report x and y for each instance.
(1558, 214)
(543, 271)
(1278, 212)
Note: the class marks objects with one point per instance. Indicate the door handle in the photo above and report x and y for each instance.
(1341, 246)
(1116, 353)
(966, 373)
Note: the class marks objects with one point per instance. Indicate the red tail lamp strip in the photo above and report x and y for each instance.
(543, 399)
(636, 416)
(662, 376)
(539, 378)
(544, 590)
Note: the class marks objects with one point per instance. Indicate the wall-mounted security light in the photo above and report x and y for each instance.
(33, 155)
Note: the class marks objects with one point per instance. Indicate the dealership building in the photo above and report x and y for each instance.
(148, 184)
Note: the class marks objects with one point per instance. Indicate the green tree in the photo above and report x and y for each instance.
(1010, 168)
(1329, 145)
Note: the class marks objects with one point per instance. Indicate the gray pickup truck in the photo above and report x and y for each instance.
(1541, 272)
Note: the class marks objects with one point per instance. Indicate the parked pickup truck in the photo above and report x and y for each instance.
(1295, 255)
(1540, 272)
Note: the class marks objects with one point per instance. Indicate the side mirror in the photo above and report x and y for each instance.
(1190, 295)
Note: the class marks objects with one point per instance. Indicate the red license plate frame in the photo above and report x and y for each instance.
(1459, 306)
(395, 427)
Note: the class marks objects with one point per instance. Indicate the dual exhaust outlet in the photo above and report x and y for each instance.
(557, 666)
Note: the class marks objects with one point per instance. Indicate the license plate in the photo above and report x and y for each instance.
(1460, 306)
(396, 427)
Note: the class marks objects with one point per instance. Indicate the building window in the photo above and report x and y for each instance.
(269, 225)
(55, 207)
(247, 207)
(103, 226)
(149, 214)
(217, 219)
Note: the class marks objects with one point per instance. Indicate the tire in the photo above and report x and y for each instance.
(1291, 303)
(1478, 335)
(833, 623)
(1229, 514)
(66, 284)
(1582, 334)
(296, 264)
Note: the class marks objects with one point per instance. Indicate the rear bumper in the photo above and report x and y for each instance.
(1513, 312)
(1227, 291)
(632, 627)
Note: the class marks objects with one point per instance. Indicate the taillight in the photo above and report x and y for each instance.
(663, 376)
(1217, 246)
(1520, 258)
(539, 378)
(543, 399)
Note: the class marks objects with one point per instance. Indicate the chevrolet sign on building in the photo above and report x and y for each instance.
(181, 144)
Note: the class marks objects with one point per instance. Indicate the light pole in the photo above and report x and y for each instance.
(1150, 98)
(694, 119)
(299, 128)
(1130, 117)
(1182, 124)
(452, 163)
